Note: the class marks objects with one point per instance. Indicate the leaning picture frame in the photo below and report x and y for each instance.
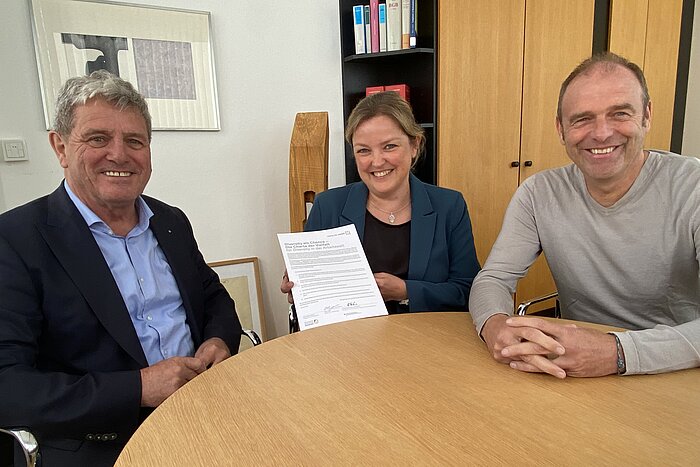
(165, 53)
(241, 278)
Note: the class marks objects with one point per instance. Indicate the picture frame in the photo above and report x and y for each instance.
(241, 278)
(166, 53)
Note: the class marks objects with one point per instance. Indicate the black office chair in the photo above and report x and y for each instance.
(28, 443)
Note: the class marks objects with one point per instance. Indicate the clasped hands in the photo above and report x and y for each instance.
(538, 345)
(160, 380)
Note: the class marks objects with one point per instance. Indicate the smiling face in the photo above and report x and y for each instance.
(603, 125)
(383, 154)
(106, 158)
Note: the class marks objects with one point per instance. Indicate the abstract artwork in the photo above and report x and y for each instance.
(165, 53)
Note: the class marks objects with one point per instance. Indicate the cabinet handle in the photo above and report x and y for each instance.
(528, 163)
(515, 164)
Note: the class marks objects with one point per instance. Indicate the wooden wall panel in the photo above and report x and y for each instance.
(480, 61)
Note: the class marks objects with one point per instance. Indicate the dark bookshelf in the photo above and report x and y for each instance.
(414, 67)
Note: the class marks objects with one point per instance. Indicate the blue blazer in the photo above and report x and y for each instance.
(70, 358)
(442, 262)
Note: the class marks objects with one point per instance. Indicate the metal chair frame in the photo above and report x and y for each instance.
(253, 336)
(293, 319)
(28, 443)
(522, 308)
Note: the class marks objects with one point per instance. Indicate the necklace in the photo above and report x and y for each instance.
(392, 214)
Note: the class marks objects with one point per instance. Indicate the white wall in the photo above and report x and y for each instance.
(691, 130)
(273, 59)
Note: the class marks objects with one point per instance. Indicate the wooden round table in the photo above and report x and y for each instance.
(413, 389)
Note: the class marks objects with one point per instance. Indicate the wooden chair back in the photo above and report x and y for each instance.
(308, 165)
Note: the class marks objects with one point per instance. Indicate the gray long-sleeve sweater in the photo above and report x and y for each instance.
(634, 264)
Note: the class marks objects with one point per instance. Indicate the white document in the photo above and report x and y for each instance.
(332, 278)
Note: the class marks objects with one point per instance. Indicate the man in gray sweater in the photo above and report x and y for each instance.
(621, 231)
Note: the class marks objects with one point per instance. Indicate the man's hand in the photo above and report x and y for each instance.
(508, 343)
(391, 287)
(589, 353)
(212, 351)
(159, 381)
(286, 287)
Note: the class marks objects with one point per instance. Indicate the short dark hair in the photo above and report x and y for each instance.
(608, 61)
(389, 104)
(77, 91)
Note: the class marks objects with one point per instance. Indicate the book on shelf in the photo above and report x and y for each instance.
(412, 28)
(374, 24)
(358, 16)
(405, 23)
(373, 90)
(368, 31)
(403, 90)
(382, 27)
(393, 25)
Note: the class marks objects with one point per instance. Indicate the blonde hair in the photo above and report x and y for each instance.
(389, 104)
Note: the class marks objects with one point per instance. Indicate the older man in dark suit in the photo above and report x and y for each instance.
(107, 306)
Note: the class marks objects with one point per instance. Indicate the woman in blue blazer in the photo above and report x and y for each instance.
(417, 237)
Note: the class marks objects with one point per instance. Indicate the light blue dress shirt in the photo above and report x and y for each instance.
(146, 283)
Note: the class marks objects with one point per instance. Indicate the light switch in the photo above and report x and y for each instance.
(14, 150)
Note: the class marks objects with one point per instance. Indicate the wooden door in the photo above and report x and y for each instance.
(480, 62)
(558, 36)
(500, 64)
(647, 32)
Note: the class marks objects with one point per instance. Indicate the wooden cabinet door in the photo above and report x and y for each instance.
(500, 64)
(480, 63)
(647, 32)
(558, 36)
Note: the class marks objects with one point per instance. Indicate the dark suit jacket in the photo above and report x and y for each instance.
(442, 262)
(69, 354)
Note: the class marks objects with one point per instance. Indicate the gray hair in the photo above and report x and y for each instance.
(77, 91)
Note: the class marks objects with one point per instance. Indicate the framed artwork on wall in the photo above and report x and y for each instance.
(165, 53)
(241, 278)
